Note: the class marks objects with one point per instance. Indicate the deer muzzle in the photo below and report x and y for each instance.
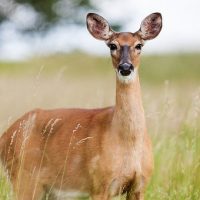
(125, 69)
(125, 66)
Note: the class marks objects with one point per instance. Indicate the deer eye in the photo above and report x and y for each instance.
(138, 46)
(112, 47)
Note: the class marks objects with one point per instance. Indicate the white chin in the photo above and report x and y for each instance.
(126, 79)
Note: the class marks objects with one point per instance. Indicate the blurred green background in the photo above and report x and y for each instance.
(176, 67)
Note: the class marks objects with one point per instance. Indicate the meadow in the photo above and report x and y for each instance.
(171, 98)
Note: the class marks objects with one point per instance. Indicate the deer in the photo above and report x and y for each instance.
(100, 153)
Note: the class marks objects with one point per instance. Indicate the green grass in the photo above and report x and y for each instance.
(175, 68)
(5, 189)
(172, 108)
(76, 64)
(177, 166)
(154, 69)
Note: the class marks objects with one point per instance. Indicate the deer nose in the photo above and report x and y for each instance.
(125, 69)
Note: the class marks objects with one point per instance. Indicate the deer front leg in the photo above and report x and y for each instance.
(135, 195)
(137, 189)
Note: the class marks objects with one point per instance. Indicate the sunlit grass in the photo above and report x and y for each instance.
(171, 95)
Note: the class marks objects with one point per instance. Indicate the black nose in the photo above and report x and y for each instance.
(125, 69)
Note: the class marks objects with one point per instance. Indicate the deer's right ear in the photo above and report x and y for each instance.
(98, 27)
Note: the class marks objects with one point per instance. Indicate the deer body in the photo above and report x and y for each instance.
(101, 152)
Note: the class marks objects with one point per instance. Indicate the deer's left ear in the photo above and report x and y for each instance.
(98, 27)
(151, 26)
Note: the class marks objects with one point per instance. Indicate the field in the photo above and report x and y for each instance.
(171, 98)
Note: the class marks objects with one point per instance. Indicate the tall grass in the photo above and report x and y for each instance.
(177, 166)
(171, 95)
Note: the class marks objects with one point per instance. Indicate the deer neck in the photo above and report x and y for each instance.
(128, 118)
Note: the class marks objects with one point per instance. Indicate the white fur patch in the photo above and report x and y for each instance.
(68, 194)
(127, 79)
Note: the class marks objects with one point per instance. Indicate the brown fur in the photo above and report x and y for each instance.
(103, 152)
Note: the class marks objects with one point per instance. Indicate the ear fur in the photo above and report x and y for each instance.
(98, 27)
(151, 26)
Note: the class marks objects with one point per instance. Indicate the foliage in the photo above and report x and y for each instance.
(48, 11)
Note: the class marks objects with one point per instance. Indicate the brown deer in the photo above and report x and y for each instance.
(101, 153)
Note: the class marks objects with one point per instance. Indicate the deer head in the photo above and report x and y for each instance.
(125, 47)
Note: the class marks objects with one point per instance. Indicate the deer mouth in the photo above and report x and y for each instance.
(126, 76)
